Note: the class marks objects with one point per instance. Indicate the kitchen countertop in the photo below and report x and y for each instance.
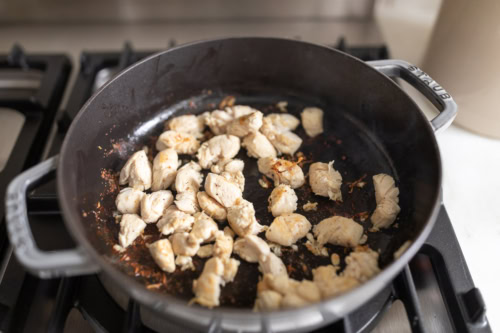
(470, 162)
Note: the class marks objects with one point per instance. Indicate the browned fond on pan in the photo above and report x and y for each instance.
(356, 155)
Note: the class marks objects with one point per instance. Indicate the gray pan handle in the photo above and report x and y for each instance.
(41, 263)
(426, 85)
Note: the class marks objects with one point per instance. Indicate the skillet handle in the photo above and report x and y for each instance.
(38, 262)
(426, 85)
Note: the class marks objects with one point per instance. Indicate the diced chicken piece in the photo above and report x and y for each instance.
(229, 232)
(312, 121)
(187, 202)
(183, 245)
(164, 169)
(211, 207)
(325, 180)
(251, 248)
(189, 124)
(281, 105)
(220, 147)
(272, 264)
(283, 200)
(153, 205)
(315, 247)
(268, 300)
(223, 246)
(174, 220)
(308, 291)
(385, 188)
(231, 165)
(222, 190)
(329, 284)
(131, 226)
(338, 230)
(207, 287)
(361, 264)
(185, 262)
(386, 196)
(258, 145)
(285, 141)
(182, 143)
(236, 178)
(189, 178)
(244, 125)
(137, 172)
(218, 120)
(205, 251)
(204, 229)
(241, 218)
(287, 229)
(282, 171)
(279, 283)
(283, 121)
(128, 200)
(163, 255)
(230, 269)
(238, 111)
(309, 206)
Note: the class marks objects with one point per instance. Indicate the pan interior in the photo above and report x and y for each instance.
(356, 154)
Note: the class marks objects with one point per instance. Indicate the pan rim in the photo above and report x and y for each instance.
(156, 301)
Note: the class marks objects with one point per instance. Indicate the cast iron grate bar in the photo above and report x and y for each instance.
(404, 290)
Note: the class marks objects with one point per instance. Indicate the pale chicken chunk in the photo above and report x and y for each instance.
(182, 143)
(272, 264)
(258, 145)
(230, 269)
(338, 230)
(325, 180)
(223, 246)
(174, 220)
(163, 255)
(361, 264)
(329, 284)
(235, 177)
(205, 251)
(244, 125)
(283, 200)
(128, 200)
(165, 166)
(312, 121)
(217, 121)
(189, 178)
(231, 165)
(189, 124)
(131, 226)
(241, 218)
(137, 172)
(268, 300)
(187, 202)
(204, 229)
(211, 207)
(288, 228)
(183, 245)
(220, 147)
(153, 205)
(386, 196)
(284, 121)
(285, 141)
(222, 190)
(185, 262)
(238, 111)
(207, 287)
(282, 171)
(251, 248)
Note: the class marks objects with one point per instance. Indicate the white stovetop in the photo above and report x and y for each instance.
(471, 168)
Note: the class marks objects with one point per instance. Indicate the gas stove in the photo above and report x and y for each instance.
(434, 293)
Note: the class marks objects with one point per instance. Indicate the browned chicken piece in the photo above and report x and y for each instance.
(163, 255)
(220, 147)
(165, 166)
(154, 205)
(387, 198)
(187, 202)
(330, 284)
(174, 220)
(284, 140)
(211, 207)
(189, 124)
(128, 201)
(258, 145)
(282, 171)
(338, 230)
(312, 121)
(183, 245)
(222, 190)
(288, 228)
(182, 143)
(244, 125)
(325, 180)
(131, 226)
(189, 178)
(137, 172)
(241, 218)
(204, 229)
(283, 200)
(361, 264)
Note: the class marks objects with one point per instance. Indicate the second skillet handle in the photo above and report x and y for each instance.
(426, 85)
(38, 262)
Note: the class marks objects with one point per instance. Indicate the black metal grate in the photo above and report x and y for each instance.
(45, 305)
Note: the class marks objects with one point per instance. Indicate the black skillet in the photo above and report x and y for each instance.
(371, 126)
